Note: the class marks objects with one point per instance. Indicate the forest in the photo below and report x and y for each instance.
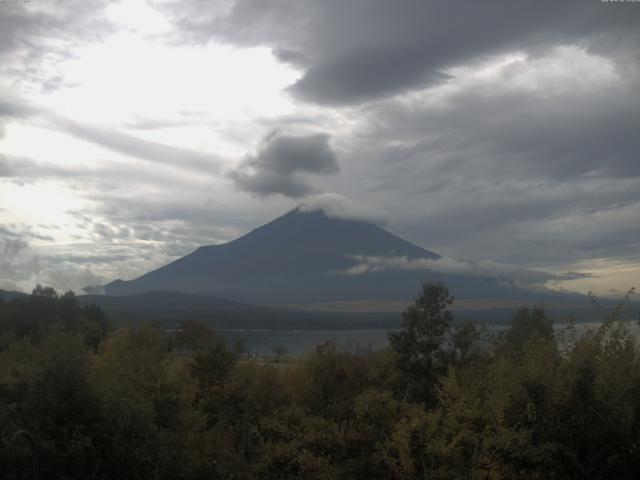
(83, 399)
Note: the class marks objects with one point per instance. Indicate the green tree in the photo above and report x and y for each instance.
(142, 390)
(418, 345)
(45, 292)
(191, 334)
(60, 407)
(527, 322)
(211, 362)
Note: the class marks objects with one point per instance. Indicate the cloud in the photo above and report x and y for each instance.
(21, 268)
(5, 168)
(139, 233)
(22, 169)
(94, 290)
(449, 266)
(20, 232)
(365, 75)
(13, 107)
(365, 50)
(139, 148)
(34, 36)
(523, 159)
(575, 275)
(12, 248)
(73, 278)
(294, 57)
(483, 130)
(17, 263)
(338, 206)
(282, 164)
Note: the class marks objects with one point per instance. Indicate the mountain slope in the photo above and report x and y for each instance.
(8, 295)
(302, 257)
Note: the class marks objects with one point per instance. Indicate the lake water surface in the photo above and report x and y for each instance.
(298, 342)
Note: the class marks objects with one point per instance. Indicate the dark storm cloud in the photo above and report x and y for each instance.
(541, 171)
(359, 50)
(281, 160)
(365, 75)
(293, 57)
(559, 136)
(527, 222)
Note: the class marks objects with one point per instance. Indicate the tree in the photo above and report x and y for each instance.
(192, 334)
(45, 292)
(240, 348)
(35, 315)
(526, 323)
(280, 351)
(211, 363)
(60, 408)
(465, 344)
(418, 346)
(142, 389)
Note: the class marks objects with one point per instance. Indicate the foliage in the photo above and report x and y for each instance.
(420, 357)
(442, 402)
(44, 309)
(528, 322)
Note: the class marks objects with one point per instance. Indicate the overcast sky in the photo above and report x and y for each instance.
(132, 132)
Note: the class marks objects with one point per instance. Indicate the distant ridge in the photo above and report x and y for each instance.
(8, 295)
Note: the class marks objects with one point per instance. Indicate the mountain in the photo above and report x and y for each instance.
(7, 295)
(309, 257)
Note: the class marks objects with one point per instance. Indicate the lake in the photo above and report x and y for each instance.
(298, 342)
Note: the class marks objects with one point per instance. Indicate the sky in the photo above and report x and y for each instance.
(132, 132)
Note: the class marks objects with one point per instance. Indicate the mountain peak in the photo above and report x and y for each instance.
(313, 254)
(291, 259)
(340, 207)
